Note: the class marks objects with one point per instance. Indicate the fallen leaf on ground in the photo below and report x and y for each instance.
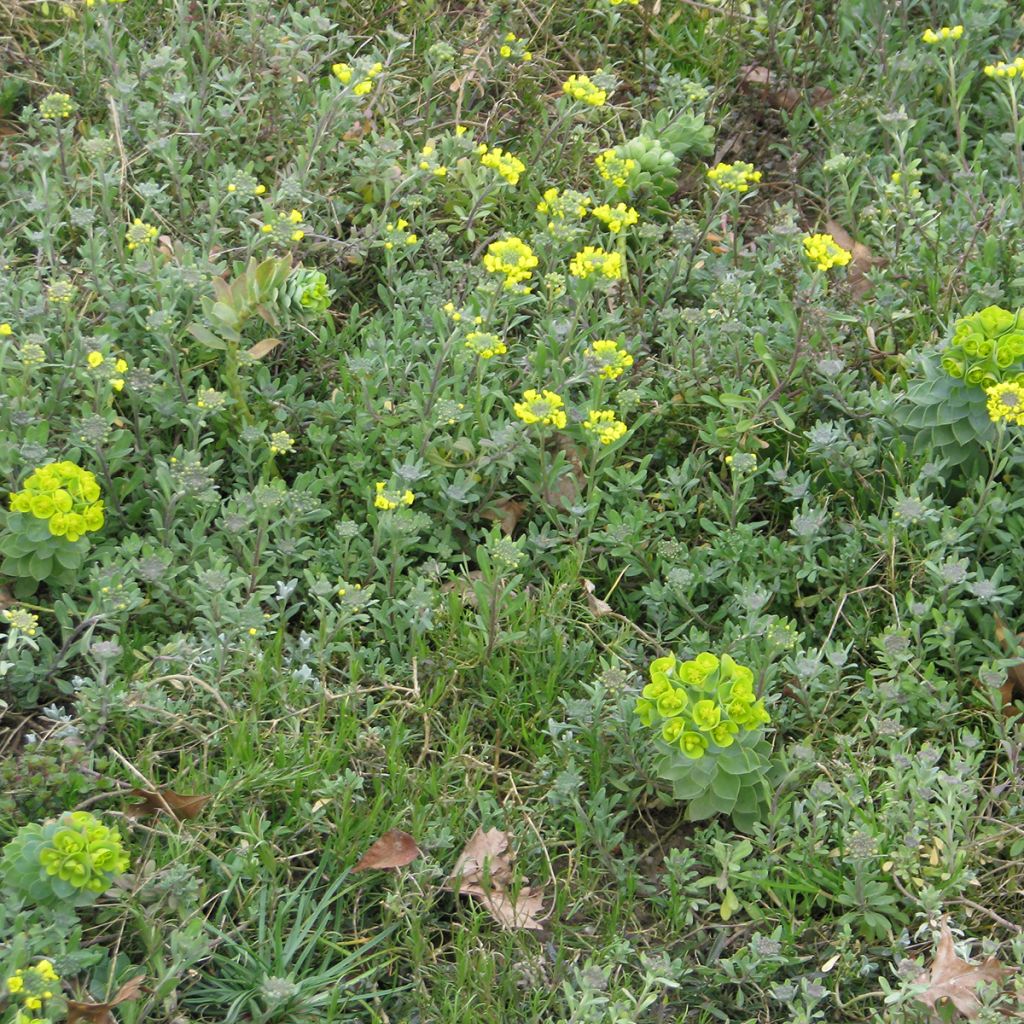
(164, 801)
(6, 600)
(264, 347)
(756, 78)
(1013, 689)
(861, 263)
(484, 870)
(950, 978)
(394, 849)
(506, 514)
(99, 1013)
(595, 604)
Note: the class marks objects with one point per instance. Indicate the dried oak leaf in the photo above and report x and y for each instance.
(757, 78)
(862, 261)
(484, 870)
(394, 849)
(99, 1013)
(166, 801)
(950, 978)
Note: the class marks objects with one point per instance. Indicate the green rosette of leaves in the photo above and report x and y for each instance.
(47, 527)
(67, 862)
(709, 728)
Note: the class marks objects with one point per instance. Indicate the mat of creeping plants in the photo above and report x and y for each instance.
(511, 512)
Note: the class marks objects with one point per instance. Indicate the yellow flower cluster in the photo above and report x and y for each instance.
(139, 233)
(616, 3)
(594, 260)
(513, 258)
(429, 161)
(485, 344)
(97, 359)
(286, 227)
(508, 166)
(825, 253)
(21, 619)
(742, 463)
(281, 443)
(33, 985)
(735, 177)
(1006, 402)
(582, 89)
(604, 426)
(64, 494)
(57, 106)
(514, 46)
(609, 361)
(388, 499)
(614, 168)
(616, 217)
(399, 231)
(943, 34)
(1006, 69)
(544, 408)
(6, 330)
(344, 73)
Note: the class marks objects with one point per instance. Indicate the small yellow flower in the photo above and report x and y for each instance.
(734, 177)
(139, 233)
(281, 443)
(582, 89)
(485, 344)
(615, 168)
(508, 166)
(603, 424)
(544, 408)
(15, 983)
(387, 500)
(513, 258)
(6, 330)
(342, 72)
(364, 87)
(617, 217)
(94, 359)
(594, 260)
(825, 253)
(608, 360)
(932, 37)
(1006, 69)
(1006, 402)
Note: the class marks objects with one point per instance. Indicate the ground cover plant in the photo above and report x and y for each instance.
(511, 511)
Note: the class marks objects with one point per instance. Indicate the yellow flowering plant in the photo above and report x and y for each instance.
(709, 724)
(48, 523)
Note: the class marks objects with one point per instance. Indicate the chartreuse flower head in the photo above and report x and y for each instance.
(58, 106)
(614, 168)
(707, 720)
(735, 177)
(485, 344)
(1006, 402)
(66, 496)
(616, 217)
(69, 861)
(360, 77)
(1006, 69)
(825, 253)
(987, 348)
(544, 408)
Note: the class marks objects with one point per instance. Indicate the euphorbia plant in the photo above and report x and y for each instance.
(710, 735)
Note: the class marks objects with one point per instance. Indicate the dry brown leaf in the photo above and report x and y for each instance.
(6, 598)
(861, 263)
(950, 978)
(506, 514)
(1013, 689)
(264, 347)
(165, 244)
(99, 1013)
(394, 849)
(756, 78)
(568, 488)
(484, 870)
(166, 801)
(463, 586)
(595, 604)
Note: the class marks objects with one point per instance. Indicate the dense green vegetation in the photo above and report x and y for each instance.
(597, 425)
